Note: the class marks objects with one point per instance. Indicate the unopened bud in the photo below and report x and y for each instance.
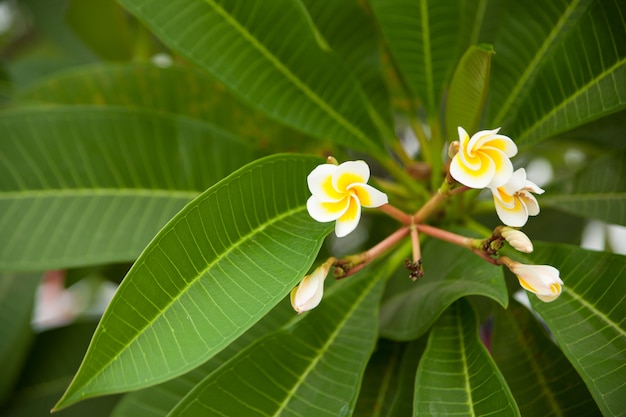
(517, 239)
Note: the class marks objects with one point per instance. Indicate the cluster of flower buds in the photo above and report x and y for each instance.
(339, 191)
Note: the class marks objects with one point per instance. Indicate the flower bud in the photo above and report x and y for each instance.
(308, 294)
(543, 280)
(517, 239)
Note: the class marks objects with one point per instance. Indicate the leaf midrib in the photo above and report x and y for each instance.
(98, 192)
(189, 284)
(288, 74)
(466, 380)
(329, 341)
(532, 66)
(597, 313)
(540, 378)
(583, 90)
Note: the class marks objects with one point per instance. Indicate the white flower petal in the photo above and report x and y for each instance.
(350, 172)
(324, 211)
(518, 240)
(320, 183)
(471, 178)
(503, 168)
(530, 202)
(368, 196)
(532, 187)
(308, 294)
(543, 280)
(512, 216)
(516, 183)
(349, 220)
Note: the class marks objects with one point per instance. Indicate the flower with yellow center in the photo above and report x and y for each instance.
(542, 280)
(483, 160)
(514, 201)
(339, 191)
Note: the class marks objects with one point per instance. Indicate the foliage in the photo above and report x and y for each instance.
(176, 136)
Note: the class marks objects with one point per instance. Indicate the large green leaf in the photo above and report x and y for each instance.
(103, 26)
(49, 368)
(588, 319)
(118, 174)
(159, 400)
(424, 39)
(388, 383)
(175, 90)
(597, 191)
(456, 375)
(542, 380)
(322, 355)
(214, 270)
(451, 272)
(468, 90)
(270, 54)
(17, 299)
(348, 28)
(558, 67)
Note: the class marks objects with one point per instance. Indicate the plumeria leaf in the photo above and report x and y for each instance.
(213, 271)
(17, 299)
(597, 191)
(360, 51)
(388, 383)
(424, 40)
(323, 353)
(587, 320)
(542, 380)
(456, 374)
(450, 272)
(51, 362)
(270, 54)
(175, 90)
(561, 71)
(159, 400)
(121, 174)
(90, 19)
(468, 90)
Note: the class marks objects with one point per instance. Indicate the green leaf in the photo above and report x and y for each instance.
(214, 270)
(558, 71)
(587, 320)
(468, 90)
(176, 90)
(451, 272)
(322, 355)
(543, 382)
(388, 383)
(270, 54)
(120, 174)
(159, 400)
(456, 375)
(17, 299)
(350, 31)
(423, 38)
(102, 25)
(49, 368)
(597, 191)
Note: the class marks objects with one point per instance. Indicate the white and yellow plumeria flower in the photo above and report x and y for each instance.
(542, 280)
(514, 201)
(483, 160)
(308, 294)
(339, 191)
